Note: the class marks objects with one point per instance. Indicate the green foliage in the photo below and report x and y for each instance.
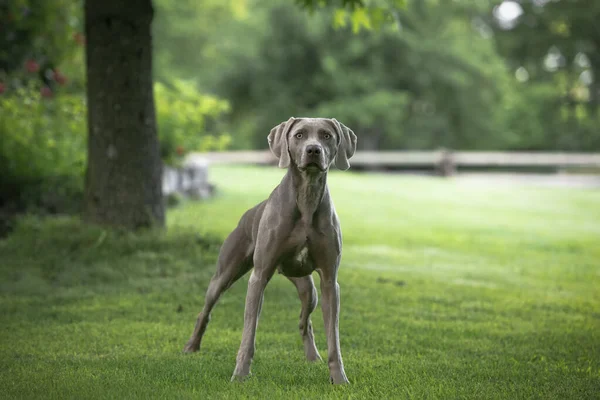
(42, 151)
(448, 62)
(362, 13)
(311, 4)
(378, 116)
(450, 289)
(41, 137)
(182, 30)
(42, 107)
(188, 121)
(557, 100)
(374, 15)
(40, 36)
(445, 84)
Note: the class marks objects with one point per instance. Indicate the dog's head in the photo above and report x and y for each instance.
(312, 144)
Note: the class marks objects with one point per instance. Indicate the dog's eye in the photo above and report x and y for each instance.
(327, 136)
(299, 135)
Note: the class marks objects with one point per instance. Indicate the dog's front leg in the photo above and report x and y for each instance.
(330, 290)
(254, 298)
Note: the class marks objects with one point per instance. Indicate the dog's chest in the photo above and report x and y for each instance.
(297, 262)
(302, 255)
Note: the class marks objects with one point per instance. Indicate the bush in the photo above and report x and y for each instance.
(188, 120)
(41, 137)
(43, 142)
(40, 34)
(42, 152)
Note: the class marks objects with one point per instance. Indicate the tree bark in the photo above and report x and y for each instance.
(124, 170)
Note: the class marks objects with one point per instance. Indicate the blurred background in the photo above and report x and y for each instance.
(410, 76)
(463, 274)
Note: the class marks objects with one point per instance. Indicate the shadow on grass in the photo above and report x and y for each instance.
(42, 255)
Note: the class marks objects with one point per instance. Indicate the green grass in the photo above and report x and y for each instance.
(449, 290)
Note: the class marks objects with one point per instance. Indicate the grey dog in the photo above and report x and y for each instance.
(295, 231)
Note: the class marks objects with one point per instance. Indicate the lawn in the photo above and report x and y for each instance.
(449, 290)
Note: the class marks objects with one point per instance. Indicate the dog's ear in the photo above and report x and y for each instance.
(346, 145)
(278, 141)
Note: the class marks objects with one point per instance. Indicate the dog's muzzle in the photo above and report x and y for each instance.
(313, 157)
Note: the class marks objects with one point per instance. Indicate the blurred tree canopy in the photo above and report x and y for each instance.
(554, 47)
(404, 74)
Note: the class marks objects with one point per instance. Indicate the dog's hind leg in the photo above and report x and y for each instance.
(235, 260)
(308, 296)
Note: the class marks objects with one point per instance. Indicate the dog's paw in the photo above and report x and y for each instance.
(240, 378)
(191, 347)
(339, 379)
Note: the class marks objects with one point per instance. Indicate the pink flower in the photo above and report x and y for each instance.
(59, 77)
(32, 66)
(79, 38)
(45, 91)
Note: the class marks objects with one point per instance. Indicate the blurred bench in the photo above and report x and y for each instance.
(190, 180)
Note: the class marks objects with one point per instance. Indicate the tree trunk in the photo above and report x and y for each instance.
(124, 171)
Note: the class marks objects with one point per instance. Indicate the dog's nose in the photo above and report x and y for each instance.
(313, 150)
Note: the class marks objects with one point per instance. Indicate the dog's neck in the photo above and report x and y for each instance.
(309, 190)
